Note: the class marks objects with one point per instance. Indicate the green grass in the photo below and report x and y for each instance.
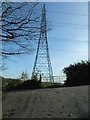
(46, 84)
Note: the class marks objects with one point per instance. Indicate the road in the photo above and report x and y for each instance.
(69, 102)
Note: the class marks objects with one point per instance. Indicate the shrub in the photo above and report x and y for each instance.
(77, 74)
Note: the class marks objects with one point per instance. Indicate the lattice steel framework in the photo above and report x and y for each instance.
(42, 65)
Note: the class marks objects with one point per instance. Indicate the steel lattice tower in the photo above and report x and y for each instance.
(42, 66)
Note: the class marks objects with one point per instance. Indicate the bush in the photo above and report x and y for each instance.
(8, 83)
(30, 84)
(77, 74)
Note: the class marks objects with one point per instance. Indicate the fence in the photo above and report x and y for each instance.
(57, 79)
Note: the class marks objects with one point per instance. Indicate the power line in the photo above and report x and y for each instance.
(67, 9)
(68, 50)
(66, 26)
(67, 40)
(71, 24)
(67, 13)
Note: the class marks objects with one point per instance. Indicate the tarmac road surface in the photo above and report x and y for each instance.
(69, 102)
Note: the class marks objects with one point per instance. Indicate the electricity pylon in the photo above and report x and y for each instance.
(42, 66)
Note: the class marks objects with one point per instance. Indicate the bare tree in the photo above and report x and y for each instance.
(20, 27)
(24, 76)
